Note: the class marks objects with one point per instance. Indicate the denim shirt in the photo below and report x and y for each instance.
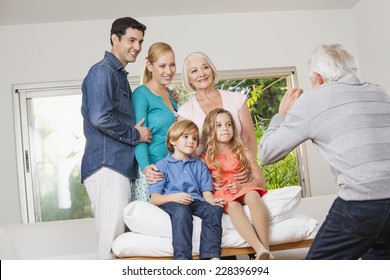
(108, 120)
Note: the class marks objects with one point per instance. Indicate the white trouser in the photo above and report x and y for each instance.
(109, 192)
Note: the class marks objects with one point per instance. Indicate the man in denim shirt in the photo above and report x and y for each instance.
(108, 165)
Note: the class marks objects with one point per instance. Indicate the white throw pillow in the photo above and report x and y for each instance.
(280, 202)
(131, 244)
(146, 218)
(295, 228)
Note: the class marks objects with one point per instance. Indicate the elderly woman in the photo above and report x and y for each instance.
(200, 75)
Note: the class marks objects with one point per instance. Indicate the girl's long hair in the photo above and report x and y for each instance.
(209, 136)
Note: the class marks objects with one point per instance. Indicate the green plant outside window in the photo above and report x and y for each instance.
(264, 96)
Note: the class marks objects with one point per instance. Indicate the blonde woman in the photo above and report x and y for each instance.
(156, 105)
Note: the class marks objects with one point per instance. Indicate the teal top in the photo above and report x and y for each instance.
(158, 117)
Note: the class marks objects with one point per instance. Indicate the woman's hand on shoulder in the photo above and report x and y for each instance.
(175, 95)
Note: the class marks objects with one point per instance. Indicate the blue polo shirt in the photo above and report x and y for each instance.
(191, 176)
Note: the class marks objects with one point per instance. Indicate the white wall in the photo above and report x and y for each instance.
(65, 51)
(372, 21)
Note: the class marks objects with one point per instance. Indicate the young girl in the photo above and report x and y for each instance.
(225, 156)
(186, 190)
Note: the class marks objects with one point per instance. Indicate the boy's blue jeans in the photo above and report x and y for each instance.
(353, 230)
(181, 219)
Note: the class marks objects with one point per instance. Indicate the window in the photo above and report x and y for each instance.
(264, 95)
(50, 139)
(50, 144)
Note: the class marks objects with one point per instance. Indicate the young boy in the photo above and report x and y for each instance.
(186, 190)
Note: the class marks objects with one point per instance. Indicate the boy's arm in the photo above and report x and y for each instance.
(156, 190)
(208, 196)
(159, 199)
(182, 198)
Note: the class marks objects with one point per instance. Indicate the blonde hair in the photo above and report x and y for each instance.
(209, 136)
(185, 80)
(177, 129)
(155, 51)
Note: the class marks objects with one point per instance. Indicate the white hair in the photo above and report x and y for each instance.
(332, 62)
(185, 80)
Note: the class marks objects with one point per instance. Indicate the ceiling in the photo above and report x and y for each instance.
(14, 12)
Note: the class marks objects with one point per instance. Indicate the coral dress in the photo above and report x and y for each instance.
(231, 166)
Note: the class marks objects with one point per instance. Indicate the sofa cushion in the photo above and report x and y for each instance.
(146, 218)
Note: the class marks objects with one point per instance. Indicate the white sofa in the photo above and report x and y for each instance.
(76, 239)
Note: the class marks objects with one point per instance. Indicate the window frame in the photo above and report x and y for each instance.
(22, 93)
